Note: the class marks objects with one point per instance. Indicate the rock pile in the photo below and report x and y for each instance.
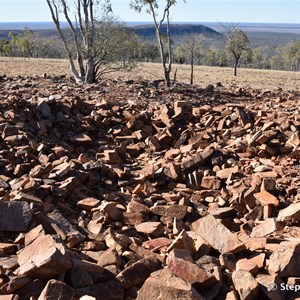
(127, 191)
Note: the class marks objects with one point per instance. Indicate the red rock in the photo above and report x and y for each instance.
(183, 241)
(111, 211)
(153, 229)
(138, 272)
(247, 265)
(172, 171)
(110, 289)
(285, 261)
(7, 248)
(164, 284)
(9, 297)
(81, 139)
(189, 271)
(194, 162)
(56, 290)
(217, 235)
(265, 198)
(267, 227)
(170, 211)
(111, 157)
(136, 207)
(88, 203)
(290, 213)
(226, 173)
(157, 243)
(43, 258)
(270, 286)
(15, 284)
(109, 257)
(68, 232)
(245, 285)
(211, 183)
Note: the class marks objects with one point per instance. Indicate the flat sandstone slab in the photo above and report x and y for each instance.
(217, 235)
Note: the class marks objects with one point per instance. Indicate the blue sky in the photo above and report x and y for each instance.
(193, 11)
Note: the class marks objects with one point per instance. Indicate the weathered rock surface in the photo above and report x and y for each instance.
(14, 216)
(285, 261)
(246, 285)
(217, 235)
(43, 258)
(164, 285)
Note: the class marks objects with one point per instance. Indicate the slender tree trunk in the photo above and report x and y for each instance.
(169, 68)
(163, 59)
(54, 14)
(235, 67)
(192, 71)
(166, 69)
(167, 78)
(90, 68)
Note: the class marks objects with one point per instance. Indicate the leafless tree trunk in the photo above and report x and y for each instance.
(192, 70)
(53, 6)
(236, 63)
(166, 63)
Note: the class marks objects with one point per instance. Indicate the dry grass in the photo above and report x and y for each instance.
(265, 80)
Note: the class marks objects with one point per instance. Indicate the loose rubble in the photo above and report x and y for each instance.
(125, 190)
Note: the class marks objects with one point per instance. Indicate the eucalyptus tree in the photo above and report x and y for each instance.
(92, 46)
(153, 8)
(192, 45)
(237, 44)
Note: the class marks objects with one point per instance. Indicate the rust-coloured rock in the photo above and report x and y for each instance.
(217, 235)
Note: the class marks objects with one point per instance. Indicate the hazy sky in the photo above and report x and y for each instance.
(193, 10)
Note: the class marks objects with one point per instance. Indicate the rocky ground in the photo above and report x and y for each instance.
(124, 190)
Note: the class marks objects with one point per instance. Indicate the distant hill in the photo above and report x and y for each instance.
(177, 30)
(145, 31)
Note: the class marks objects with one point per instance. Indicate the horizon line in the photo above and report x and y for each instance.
(187, 21)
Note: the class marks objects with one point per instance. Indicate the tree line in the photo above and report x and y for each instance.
(97, 43)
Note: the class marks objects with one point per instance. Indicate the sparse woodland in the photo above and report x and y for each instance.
(133, 48)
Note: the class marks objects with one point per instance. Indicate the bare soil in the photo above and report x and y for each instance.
(258, 79)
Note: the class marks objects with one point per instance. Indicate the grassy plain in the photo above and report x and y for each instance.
(259, 79)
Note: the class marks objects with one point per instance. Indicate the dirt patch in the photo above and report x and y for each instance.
(258, 79)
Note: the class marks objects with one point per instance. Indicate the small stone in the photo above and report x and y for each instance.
(245, 285)
(88, 203)
(138, 272)
(270, 286)
(109, 257)
(14, 216)
(163, 284)
(189, 271)
(153, 229)
(265, 198)
(267, 227)
(285, 261)
(111, 211)
(174, 211)
(56, 290)
(290, 213)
